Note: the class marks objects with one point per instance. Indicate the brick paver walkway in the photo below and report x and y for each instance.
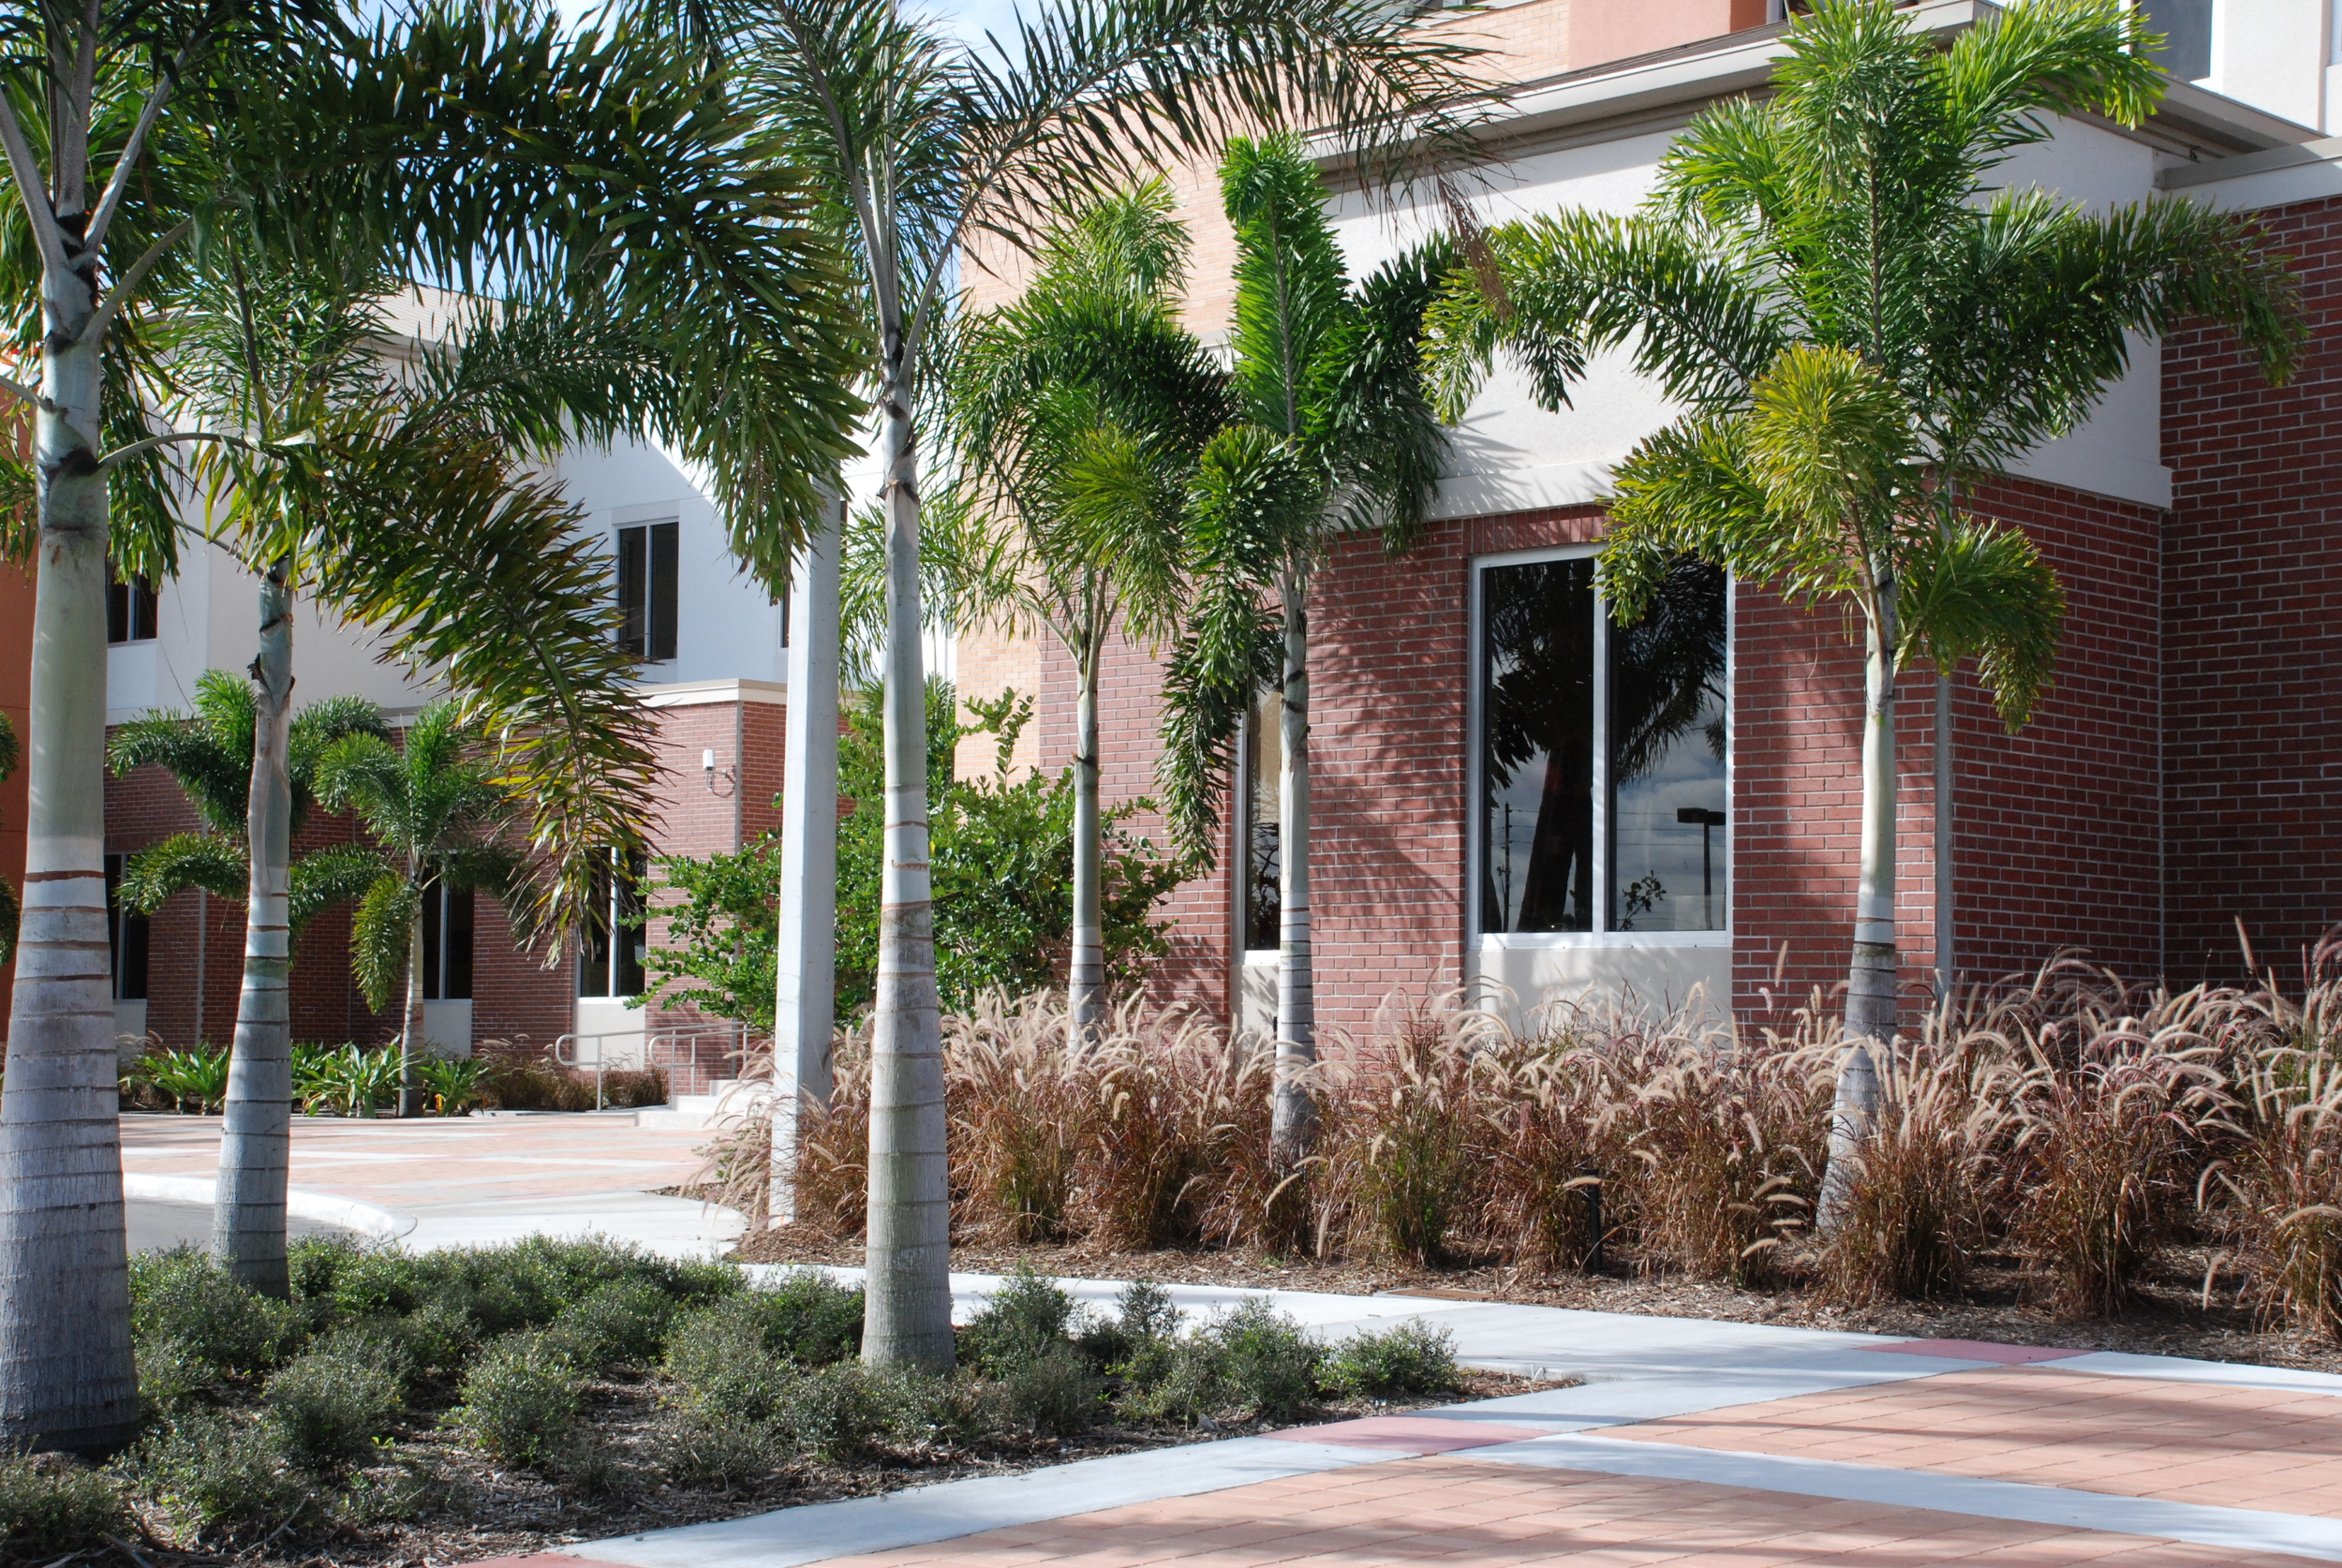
(2127, 1437)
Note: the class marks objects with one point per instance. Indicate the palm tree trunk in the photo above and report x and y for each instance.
(1293, 1122)
(806, 965)
(1870, 1005)
(67, 1378)
(411, 1014)
(1086, 966)
(256, 1131)
(908, 1315)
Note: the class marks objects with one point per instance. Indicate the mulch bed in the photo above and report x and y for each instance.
(2170, 1317)
(468, 1507)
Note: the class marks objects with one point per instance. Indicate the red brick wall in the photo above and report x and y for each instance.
(2252, 610)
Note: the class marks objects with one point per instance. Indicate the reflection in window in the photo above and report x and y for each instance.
(1264, 763)
(1537, 731)
(610, 958)
(1660, 849)
(1668, 815)
(447, 928)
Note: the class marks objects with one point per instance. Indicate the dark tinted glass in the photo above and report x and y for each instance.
(1537, 746)
(1668, 821)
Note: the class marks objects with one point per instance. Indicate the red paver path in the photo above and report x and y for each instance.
(407, 1164)
(1481, 1515)
(2195, 1442)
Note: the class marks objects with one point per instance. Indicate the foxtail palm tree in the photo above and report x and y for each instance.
(1331, 436)
(588, 167)
(1855, 207)
(1080, 412)
(440, 816)
(926, 149)
(209, 753)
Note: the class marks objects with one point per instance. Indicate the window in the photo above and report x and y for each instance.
(447, 924)
(610, 962)
(1601, 754)
(646, 591)
(131, 610)
(1257, 814)
(125, 938)
(2187, 29)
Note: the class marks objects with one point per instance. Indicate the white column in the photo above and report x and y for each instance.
(804, 996)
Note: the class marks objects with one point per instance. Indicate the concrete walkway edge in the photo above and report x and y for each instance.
(319, 1208)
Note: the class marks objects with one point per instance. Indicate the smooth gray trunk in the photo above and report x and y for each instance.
(256, 1131)
(908, 1313)
(66, 1376)
(1293, 1125)
(411, 1014)
(1086, 966)
(805, 987)
(1870, 1012)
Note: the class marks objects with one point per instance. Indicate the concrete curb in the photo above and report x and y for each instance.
(382, 1225)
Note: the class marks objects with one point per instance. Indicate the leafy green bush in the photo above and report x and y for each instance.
(50, 1505)
(171, 1372)
(1250, 1357)
(839, 1411)
(209, 1471)
(703, 1448)
(200, 1075)
(1411, 1358)
(1053, 1394)
(182, 1296)
(522, 1399)
(623, 1320)
(1136, 1341)
(328, 1406)
(1028, 1319)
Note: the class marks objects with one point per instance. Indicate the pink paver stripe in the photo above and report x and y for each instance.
(537, 1559)
(1475, 1514)
(2227, 1447)
(1423, 1434)
(1976, 1350)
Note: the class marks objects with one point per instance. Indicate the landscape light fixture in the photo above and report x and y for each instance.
(707, 765)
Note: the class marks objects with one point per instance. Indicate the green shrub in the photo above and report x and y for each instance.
(50, 1505)
(314, 1263)
(703, 1448)
(1250, 1358)
(1029, 1319)
(370, 1285)
(592, 1468)
(1136, 1343)
(839, 1411)
(623, 1320)
(1053, 1394)
(329, 1405)
(927, 1412)
(522, 1399)
(209, 1470)
(434, 1340)
(171, 1372)
(810, 1317)
(182, 1296)
(1413, 1358)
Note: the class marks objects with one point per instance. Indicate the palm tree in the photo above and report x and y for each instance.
(1332, 435)
(1853, 208)
(210, 754)
(591, 168)
(924, 149)
(10, 908)
(440, 816)
(1081, 410)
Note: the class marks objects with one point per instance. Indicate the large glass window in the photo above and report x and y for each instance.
(132, 610)
(1257, 818)
(1602, 758)
(609, 960)
(647, 606)
(447, 924)
(126, 937)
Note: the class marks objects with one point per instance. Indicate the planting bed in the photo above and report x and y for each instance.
(456, 1406)
(2168, 1315)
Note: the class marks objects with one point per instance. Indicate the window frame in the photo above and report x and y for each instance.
(661, 567)
(121, 922)
(140, 611)
(1475, 814)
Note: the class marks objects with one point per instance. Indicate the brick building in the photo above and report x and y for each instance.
(2184, 773)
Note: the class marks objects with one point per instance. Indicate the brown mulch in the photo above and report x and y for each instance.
(466, 1507)
(2003, 1304)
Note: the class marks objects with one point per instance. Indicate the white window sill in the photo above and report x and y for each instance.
(1532, 941)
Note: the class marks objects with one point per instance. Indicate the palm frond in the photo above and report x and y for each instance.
(1979, 590)
(214, 862)
(379, 937)
(327, 879)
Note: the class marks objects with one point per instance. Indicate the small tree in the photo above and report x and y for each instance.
(209, 754)
(1081, 410)
(1332, 435)
(437, 812)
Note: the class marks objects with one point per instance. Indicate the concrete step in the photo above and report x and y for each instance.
(725, 1097)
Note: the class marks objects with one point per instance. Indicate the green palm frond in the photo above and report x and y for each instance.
(1982, 591)
(1292, 295)
(214, 862)
(379, 935)
(209, 754)
(327, 879)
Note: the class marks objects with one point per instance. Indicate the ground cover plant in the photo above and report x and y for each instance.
(2062, 1143)
(455, 1404)
(351, 1080)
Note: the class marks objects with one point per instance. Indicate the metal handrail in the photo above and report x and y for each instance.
(650, 1046)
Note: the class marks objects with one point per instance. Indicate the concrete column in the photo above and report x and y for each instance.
(804, 993)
